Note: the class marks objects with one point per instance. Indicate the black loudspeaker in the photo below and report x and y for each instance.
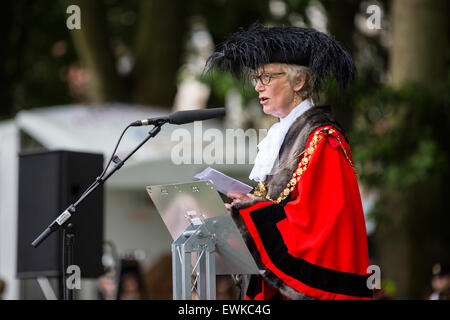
(49, 182)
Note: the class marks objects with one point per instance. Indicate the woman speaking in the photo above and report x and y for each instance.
(304, 223)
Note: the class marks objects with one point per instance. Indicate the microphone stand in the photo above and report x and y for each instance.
(68, 245)
(63, 218)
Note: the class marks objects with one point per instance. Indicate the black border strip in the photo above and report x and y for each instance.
(312, 275)
(265, 220)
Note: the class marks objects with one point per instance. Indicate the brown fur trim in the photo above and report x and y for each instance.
(294, 144)
(244, 231)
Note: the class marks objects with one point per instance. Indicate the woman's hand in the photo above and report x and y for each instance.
(237, 198)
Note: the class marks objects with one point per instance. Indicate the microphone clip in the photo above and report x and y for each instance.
(152, 121)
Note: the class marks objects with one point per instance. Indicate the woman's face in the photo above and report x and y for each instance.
(276, 97)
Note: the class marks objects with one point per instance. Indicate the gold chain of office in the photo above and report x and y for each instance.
(261, 188)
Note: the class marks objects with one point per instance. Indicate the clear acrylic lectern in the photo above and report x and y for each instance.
(199, 224)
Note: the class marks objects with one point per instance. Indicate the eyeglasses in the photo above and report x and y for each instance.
(264, 78)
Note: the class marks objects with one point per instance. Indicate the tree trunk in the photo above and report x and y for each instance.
(13, 32)
(419, 41)
(159, 47)
(406, 243)
(94, 49)
(341, 25)
(6, 25)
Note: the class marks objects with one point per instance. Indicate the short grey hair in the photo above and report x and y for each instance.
(295, 73)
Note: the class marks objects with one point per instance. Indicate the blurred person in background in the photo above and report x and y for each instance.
(107, 286)
(226, 288)
(158, 279)
(131, 284)
(440, 282)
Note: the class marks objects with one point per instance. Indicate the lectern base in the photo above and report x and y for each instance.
(200, 279)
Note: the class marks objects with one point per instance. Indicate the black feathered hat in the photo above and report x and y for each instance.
(261, 45)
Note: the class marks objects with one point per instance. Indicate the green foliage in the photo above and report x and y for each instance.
(400, 134)
(36, 54)
(223, 82)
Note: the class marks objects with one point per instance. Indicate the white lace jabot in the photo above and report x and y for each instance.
(269, 147)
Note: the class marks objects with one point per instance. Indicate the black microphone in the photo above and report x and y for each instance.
(182, 117)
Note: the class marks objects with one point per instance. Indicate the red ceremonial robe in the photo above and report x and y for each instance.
(314, 242)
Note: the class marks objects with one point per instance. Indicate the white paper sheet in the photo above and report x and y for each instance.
(222, 182)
